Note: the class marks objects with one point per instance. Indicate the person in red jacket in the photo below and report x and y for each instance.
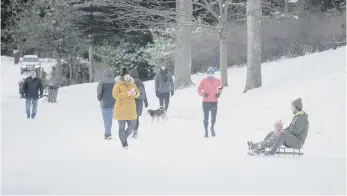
(210, 89)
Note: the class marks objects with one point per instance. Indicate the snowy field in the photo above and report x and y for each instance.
(63, 150)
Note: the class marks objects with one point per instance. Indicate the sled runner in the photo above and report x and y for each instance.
(281, 151)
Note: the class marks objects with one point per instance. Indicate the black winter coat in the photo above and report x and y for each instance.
(31, 87)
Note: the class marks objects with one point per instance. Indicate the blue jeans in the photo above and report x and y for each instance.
(107, 115)
(28, 104)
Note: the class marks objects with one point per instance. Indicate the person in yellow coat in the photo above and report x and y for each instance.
(125, 92)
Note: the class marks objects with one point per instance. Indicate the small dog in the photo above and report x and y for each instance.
(44, 98)
(159, 113)
(45, 95)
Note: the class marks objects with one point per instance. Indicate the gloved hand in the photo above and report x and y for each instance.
(157, 93)
(172, 93)
(278, 126)
(218, 95)
(205, 95)
(146, 103)
(133, 92)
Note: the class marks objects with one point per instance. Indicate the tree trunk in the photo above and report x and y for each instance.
(223, 61)
(254, 13)
(183, 56)
(223, 43)
(91, 68)
(70, 69)
(286, 8)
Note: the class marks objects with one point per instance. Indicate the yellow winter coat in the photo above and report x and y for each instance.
(125, 107)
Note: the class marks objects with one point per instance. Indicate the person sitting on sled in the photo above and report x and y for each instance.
(293, 136)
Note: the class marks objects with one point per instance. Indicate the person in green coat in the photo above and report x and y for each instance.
(293, 136)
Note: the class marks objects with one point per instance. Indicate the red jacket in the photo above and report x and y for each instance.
(211, 86)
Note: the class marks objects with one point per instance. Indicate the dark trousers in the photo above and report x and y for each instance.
(268, 142)
(274, 141)
(124, 133)
(164, 99)
(287, 139)
(207, 108)
(136, 128)
(137, 123)
(52, 95)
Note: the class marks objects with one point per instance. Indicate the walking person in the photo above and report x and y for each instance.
(53, 86)
(104, 95)
(52, 93)
(30, 91)
(142, 99)
(210, 89)
(125, 92)
(164, 86)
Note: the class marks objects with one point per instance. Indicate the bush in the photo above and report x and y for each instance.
(125, 55)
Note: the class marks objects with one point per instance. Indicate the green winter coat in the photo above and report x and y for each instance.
(299, 126)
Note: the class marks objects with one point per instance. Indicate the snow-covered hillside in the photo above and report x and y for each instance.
(63, 151)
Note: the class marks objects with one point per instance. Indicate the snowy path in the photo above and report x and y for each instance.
(63, 151)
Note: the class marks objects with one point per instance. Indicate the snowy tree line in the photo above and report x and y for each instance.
(187, 36)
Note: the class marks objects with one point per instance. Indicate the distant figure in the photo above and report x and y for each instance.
(293, 136)
(44, 78)
(164, 86)
(104, 95)
(125, 92)
(53, 86)
(30, 90)
(52, 93)
(16, 55)
(210, 89)
(142, 99)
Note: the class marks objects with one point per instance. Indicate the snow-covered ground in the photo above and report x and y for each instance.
(63, 151)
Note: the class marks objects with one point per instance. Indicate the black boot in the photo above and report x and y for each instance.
(125, 145)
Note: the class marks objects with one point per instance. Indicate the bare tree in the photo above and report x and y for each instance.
(254, 13)
(183, 56)
(154, 13)
(222, 11)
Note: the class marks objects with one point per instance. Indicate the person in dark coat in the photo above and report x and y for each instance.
(142, 99)
(30, 91)
(104, 95)
(164, 86)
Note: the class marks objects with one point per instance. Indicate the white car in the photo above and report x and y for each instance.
(30, 63)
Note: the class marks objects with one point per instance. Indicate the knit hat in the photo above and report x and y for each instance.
(210, 70)
(297, 103)
(124, 71)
